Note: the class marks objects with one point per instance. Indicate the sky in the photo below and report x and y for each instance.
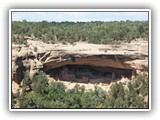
(79, 16)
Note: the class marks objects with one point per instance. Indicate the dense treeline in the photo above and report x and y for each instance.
(38, 93)
(93, 32)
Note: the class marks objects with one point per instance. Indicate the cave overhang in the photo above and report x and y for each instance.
(96, 61)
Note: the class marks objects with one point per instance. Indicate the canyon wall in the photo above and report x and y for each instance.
(38, 56)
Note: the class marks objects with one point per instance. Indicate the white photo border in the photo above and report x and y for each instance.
(78, 10)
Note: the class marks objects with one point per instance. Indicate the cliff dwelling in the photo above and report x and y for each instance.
(74, 64)
(88, 74)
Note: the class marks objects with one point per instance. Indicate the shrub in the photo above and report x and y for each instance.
(55, 95)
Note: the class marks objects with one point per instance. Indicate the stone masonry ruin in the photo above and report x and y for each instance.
(88, 74)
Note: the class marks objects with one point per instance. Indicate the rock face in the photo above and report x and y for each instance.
(111, 60)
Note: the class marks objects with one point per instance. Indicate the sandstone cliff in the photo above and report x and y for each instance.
(40, 56)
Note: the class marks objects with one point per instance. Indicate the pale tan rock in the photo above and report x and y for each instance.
(133, 56)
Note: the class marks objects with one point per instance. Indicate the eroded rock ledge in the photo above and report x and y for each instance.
(111, 60)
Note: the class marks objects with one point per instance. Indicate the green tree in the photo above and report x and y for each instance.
(40, 83)
(96, 32)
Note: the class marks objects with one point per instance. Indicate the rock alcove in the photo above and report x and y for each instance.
(81, 63)
(88, 74)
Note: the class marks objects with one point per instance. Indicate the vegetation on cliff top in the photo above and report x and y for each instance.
(96, 32)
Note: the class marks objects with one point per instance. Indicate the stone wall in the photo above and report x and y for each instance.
(87, 74)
